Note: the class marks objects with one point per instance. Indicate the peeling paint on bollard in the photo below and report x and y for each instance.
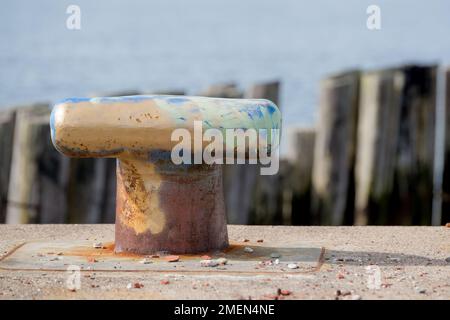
(160, 206)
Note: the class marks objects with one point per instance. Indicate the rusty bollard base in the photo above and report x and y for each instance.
(165, 207)
(160, 206)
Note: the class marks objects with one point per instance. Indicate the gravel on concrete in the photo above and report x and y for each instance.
(359, 263)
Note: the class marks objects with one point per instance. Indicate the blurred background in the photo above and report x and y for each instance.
(365, 129)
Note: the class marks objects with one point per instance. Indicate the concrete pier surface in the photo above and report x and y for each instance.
(263, 262)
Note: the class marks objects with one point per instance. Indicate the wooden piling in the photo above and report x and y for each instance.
(36, 192)
(301, 158)
(334, 154)
(446, 175)
(7, 120)
(394, 167)
(378, 129)
(86, 191)
(108, 207)
(222, 90)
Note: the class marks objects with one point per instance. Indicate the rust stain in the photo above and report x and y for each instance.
(234, 251)
(137, 192)
(108, 252)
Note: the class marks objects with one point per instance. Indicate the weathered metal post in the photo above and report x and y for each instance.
(161, 206)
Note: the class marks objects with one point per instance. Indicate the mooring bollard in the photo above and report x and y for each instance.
(161, 206)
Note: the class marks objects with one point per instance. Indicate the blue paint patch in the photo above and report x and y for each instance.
(52, 126)
(272, 109)
(253, 112)
(182, 118)
(207, 123)
(73, 100)
(124, 99)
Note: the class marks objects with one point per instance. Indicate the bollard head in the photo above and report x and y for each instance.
(110, 127)
(161, 205)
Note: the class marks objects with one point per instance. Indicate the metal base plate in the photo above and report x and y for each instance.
(61, 255)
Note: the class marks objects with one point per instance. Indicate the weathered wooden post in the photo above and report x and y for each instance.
(38, 175)
(7, 120)
(301, 158)
(86, 191)
(394, 170)
(445, 212)
(416, 145)
(378, 129)
(334, 154)
(222, 90)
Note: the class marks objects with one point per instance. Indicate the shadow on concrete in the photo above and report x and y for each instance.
(380, 259)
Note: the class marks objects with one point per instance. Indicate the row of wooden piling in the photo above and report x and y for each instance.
(374, 149)
(368, 160)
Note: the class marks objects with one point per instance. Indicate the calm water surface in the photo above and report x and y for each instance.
(168, 44)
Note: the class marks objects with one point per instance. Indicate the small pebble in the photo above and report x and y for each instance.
(129, 286)
(145, 261)
(248, 249)
(222, 261)
(172, 258)
(284, 292)
(292, 266)
(98, 245)
(447, 259)
(165, 282)
(138, 285)
(275, 255)
(245, 240)
(420, 290)
(356, 297)
(206, 257)
(277, 261)
(260, 240)
(209, 263)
